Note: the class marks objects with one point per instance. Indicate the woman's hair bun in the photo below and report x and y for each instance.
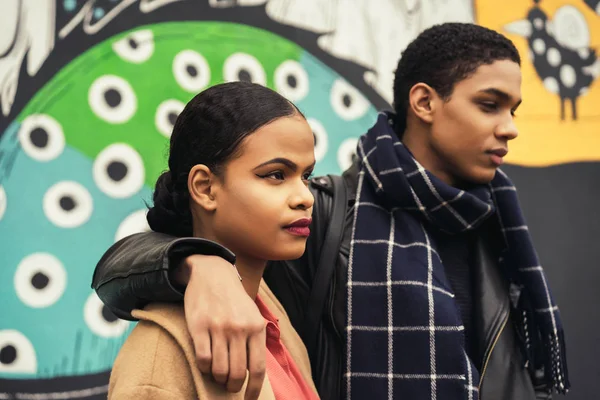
(170, 212)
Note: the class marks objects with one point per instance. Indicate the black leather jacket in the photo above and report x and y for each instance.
(134, 272)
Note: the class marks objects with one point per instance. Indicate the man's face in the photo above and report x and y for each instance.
(470, 132)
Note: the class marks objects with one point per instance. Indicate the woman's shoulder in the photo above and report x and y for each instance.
(171, 314)
(156, 354)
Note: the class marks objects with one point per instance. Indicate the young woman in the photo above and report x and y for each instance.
(239, 163)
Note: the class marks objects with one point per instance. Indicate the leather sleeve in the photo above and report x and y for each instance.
(135, 270)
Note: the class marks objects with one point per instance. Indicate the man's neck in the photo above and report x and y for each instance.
(415, 141)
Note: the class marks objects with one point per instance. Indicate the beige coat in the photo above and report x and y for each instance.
(157, 361)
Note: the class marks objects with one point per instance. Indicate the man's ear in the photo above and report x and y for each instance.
(422, 100)
(202, 185)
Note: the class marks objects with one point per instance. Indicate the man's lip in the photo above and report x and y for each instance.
(499, 152)
(300, 223)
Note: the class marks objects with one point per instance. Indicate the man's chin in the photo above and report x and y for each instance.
(480, 177)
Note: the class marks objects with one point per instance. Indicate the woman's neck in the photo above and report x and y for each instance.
(251, 271)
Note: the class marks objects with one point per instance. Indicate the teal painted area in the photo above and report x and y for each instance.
(317, 105)
(64, 344)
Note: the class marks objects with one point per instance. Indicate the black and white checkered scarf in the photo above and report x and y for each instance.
(405, 338)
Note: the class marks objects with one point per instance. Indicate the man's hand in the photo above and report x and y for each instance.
(226, 327)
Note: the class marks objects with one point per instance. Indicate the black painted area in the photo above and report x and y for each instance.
(116, 170)
(347, 100)
(244, 76)
(11, 387)
(112, 98)
(173, 118)
(561, 207)
(39, 137)
(67, 203)
(8, 354)
(108, 315)
(40, 280)
(192, 71)
(292, 81)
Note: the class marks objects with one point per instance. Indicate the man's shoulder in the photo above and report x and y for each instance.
(325, 184)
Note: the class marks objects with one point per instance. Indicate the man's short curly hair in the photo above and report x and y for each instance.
(444, 55)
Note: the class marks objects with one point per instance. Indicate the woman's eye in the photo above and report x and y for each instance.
(307, 176)
(275, 175)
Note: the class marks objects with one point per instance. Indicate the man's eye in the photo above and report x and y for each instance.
(489, 106)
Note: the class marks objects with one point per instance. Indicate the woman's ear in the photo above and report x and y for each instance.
(202, 185)
(422, 100)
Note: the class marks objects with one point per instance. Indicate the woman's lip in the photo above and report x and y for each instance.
(298, 230)
(299, 223)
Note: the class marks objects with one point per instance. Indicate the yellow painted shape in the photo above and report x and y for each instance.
(544, 139)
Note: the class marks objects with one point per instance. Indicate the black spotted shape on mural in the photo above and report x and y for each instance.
(562, 70)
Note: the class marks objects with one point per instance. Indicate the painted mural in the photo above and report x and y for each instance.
(90, 90)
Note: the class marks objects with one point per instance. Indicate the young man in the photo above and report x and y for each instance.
(436, 293)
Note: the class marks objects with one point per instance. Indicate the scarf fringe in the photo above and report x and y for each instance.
(554, 344)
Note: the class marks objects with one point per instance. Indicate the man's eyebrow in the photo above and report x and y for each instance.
(499, 93)
(280, 160)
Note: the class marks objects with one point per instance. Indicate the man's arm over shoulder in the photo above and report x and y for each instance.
(138, 269)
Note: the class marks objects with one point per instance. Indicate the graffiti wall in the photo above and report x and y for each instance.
(90, 90)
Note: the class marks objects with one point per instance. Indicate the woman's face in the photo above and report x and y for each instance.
(264, 190)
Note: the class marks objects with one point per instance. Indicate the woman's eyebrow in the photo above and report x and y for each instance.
(280, 160)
